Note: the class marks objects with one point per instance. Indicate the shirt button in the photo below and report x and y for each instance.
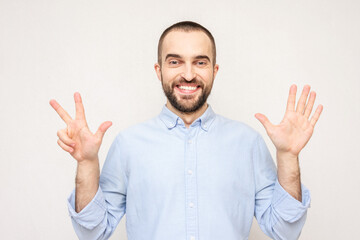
(189, 172)
(192, 238)
(191, 205)
(189, 141)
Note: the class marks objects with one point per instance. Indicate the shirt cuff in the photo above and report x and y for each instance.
(93, 213)
(289, 208)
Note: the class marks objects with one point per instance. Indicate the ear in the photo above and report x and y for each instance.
(216, 69)
(158, 70)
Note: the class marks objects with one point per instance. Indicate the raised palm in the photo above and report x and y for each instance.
(76, 138)
(295, 129)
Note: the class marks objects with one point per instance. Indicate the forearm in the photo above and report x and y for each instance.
(87, 183)
(288, 171)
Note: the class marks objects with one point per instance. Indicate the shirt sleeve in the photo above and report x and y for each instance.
(279, 215)
(100, 217)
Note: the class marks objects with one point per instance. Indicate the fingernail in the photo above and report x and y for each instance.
(73, 144)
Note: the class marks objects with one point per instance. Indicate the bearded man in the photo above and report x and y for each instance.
(189, 173)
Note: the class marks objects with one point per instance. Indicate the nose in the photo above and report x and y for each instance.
(189, 72)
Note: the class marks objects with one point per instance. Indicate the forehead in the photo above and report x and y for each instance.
(187, 44)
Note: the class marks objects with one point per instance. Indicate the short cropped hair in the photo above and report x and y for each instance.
(186, 26)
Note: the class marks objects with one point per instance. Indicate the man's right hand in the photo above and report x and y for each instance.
(76, 138)
(84, 146)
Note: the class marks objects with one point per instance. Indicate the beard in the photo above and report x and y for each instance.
(186, 103)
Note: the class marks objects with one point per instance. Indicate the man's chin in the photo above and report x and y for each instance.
(187, 106)
(187, 101)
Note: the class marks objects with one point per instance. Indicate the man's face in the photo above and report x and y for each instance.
(187, 72)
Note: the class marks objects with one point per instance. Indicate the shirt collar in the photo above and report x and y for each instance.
(171, 120)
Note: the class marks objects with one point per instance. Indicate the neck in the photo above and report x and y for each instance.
(188, 118)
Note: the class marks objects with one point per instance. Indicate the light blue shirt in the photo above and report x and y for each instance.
(205, 182)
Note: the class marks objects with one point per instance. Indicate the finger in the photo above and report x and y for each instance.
(80, 112)
(62, 113)
(310, 104)
(102, 129)
(264, 121)
(65, 147)
(302, 101)
(316, 115)
(292, 98)
(62, 134)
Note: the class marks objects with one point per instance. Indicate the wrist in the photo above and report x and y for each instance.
(287, 160)
(288, 166)
(88, 163)
(286, 155)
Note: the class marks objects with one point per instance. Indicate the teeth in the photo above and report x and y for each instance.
(187, 87)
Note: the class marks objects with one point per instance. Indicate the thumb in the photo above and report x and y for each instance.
(102, 129)
(264, 121)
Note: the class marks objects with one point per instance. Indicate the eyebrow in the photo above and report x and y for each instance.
(202, 57)
(178, 56)
(172, 55)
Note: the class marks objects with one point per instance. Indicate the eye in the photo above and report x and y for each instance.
(202, 63)
(173, 62)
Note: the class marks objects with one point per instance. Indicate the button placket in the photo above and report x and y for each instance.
(191, 184)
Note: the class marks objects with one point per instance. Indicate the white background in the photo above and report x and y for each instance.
(106, 50)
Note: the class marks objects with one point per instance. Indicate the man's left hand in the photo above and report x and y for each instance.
(296, 129)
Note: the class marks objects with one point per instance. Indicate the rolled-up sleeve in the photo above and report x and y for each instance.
(90, 216)
(279, 215)
(102, 214)
(289, 208)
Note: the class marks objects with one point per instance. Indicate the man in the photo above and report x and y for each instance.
(189, 173)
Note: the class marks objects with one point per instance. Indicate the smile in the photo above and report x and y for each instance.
(186, 89)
